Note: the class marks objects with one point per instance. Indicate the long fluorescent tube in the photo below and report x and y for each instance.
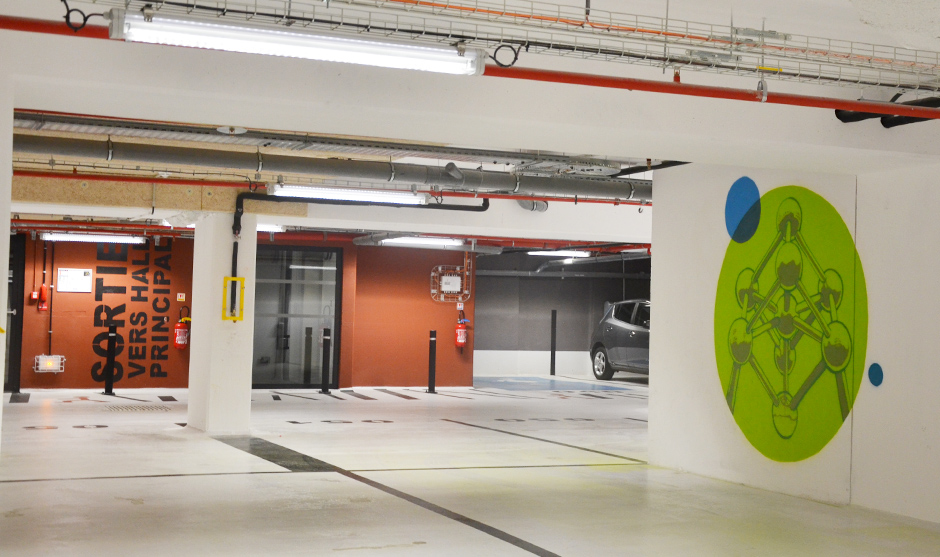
(420, 241)
(561, 253)
(97, 238)
(181, 31)
(270, 228)
(337, 194)
(312, 267)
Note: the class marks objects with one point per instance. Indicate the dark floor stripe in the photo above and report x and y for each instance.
(638, 420)
(596, 396)
(276, 397)
(465, 520)
(129, 398)
(501, 395)
(297, 396)
(274, 453)
(299, 462)
(167, 398)
(357, 395)
(333, 396)
(547, 441)
(399, 395)
(19, 397)
(181, 424)
(442, 394)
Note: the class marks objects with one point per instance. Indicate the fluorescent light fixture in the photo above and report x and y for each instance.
(312, 268)
(249, 39)
(96, 238)
(421, 241)
(339, 194)
(270, 228)
(562, 253)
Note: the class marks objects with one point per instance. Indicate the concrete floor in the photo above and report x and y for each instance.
(513, 467)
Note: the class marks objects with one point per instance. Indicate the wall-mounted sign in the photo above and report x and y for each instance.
(74, 280)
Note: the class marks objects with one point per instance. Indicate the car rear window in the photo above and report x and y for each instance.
(624, 312)
(643, 316)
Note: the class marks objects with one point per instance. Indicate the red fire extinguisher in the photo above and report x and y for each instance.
(461, 333)
(181, 330)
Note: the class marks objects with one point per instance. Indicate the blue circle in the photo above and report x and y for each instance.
(876, 375)
(742, 210)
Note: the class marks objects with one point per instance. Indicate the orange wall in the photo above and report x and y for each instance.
(148, 358)
(387, 313)
(394, 314)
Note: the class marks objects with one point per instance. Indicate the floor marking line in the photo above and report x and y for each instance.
(277, 454)
(399, 395)
(445, 468)
(167, 398)
(299, 462)
(128, 398)
(546, 441)
(637, 420)
(482, 392)
(298, 396)
(595, 396)
(144, 476)
(19, 397)
(465, 520)
(357, 395)
(442, 394)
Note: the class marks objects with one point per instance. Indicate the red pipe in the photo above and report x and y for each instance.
(131, 179)
(51, 27)
(888, 109)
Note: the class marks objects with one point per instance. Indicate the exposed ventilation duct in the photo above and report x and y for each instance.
(849, 116)
(448, 177)
(629, 256)
(534, 206)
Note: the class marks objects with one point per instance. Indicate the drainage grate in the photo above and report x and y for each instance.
(136, 408)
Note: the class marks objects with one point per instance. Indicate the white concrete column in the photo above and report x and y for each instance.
(6, 186)
(221, 350)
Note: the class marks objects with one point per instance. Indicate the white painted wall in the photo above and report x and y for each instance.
(495, 363)
(896, 445)
(221, 351)
(690, 425)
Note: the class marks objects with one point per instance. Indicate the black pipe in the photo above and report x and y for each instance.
(849, 116)
(240, 205)
(637, 169)
(234, 285)
(109, 365)
(554, 336)
(325, 372)
(432, 362)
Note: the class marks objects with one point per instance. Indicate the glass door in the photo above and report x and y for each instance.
(297, 298)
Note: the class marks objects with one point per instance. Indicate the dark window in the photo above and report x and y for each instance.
(624, 312)
(643, 316)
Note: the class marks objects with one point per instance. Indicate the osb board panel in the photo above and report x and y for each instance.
(130, 194)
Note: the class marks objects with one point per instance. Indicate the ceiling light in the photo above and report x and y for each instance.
(312, 268)
(95, 238)
(181, 31)
(338, 194)
(270, 228)
(562, 253)
(421, 241)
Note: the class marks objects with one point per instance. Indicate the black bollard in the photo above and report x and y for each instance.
(325, 373)
(109, 365)
(554, 331)
(432, 361)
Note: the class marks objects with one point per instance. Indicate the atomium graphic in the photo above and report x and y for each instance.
(800, 311)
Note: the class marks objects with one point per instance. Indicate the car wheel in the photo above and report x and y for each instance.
(602, 369)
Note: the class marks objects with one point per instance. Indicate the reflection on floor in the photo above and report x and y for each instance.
(489, 470)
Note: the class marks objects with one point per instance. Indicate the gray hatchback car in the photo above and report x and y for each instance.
(621, 341)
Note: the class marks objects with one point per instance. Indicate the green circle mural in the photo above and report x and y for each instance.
(791, 320)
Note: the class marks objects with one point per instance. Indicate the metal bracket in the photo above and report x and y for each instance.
(260, 161)
(391, 177)
(110, 149)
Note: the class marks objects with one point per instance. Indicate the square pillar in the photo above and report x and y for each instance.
(6, 187)
(221, 350)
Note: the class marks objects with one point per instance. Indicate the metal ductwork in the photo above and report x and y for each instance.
(449, 177)
(592, 260)
(534, 206)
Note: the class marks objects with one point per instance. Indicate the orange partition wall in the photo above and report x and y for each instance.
(135, 287)
(393, 316)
